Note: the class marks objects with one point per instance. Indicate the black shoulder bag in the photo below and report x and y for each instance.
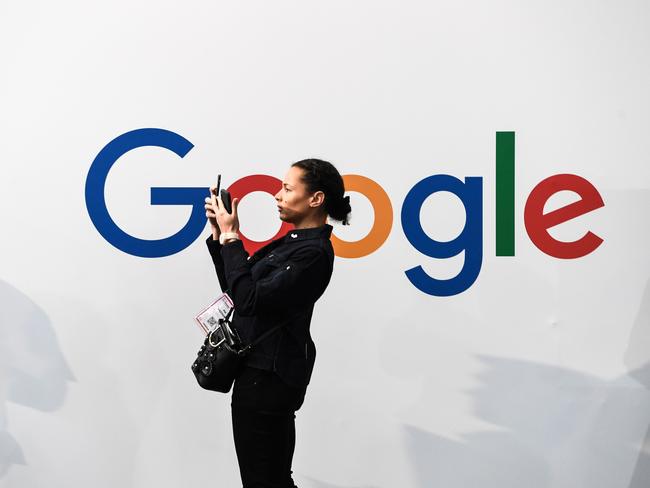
(222, 354)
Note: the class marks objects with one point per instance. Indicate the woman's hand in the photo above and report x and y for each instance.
(227, 222)
(210, 207)
(220, 219)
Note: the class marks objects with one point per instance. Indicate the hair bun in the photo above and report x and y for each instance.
(347, 209)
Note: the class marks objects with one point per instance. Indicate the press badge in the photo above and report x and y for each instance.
(208, 318)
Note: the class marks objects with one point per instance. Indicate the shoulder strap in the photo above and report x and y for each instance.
(268, 333)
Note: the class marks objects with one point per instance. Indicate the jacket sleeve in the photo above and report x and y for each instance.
(300, 280)
(214, 247)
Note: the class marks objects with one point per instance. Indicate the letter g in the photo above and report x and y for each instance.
(96, 203)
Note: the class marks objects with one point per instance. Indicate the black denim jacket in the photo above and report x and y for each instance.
(281, 281)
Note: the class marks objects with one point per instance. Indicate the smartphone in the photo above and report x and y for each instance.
(224, 194)
(225, 199)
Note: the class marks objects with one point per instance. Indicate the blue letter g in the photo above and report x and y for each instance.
(470, 239)
(96, 204)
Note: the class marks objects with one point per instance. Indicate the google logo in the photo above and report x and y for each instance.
(469, 191)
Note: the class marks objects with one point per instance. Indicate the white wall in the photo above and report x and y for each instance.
(538, 375)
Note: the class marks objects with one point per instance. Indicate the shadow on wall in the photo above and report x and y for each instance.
(33, 371)
(555, 427)
(314, 483)
(636, 355)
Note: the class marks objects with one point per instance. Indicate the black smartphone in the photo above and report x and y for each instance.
(225, 199)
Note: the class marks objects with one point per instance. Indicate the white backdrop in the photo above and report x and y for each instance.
(538, 375)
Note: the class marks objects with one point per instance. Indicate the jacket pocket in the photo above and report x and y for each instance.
(273, 259)
(275, 265)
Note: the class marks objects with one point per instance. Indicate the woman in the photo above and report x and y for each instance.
(278, 284)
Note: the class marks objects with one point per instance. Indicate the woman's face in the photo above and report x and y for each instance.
(294, 202)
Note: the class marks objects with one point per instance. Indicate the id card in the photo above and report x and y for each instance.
(208, 318)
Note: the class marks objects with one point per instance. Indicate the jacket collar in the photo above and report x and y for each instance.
(294, 235)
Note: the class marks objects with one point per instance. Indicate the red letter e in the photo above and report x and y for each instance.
(537, 222)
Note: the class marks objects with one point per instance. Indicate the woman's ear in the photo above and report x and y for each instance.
(318, 198)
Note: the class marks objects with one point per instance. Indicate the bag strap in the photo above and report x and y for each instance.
(268, 333)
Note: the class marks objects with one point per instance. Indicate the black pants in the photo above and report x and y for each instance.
(263, 423)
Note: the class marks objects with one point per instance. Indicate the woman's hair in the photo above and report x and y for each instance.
(319, 175)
